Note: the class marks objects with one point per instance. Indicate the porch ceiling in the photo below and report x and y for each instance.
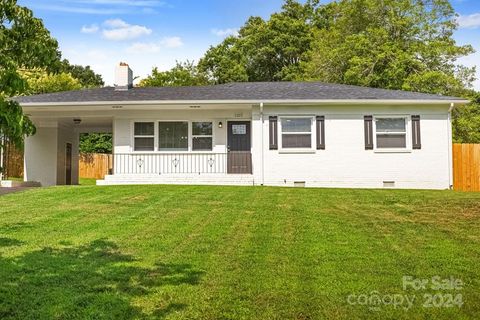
(86, 124)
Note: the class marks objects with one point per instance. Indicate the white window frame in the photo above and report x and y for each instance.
(156, 137)
(192, 136)
(312, 133)
(157, 130)
(408, 137)
(134, 136)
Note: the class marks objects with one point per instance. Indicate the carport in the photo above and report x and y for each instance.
(52, 154)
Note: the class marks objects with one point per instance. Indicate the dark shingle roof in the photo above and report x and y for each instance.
(234, 91)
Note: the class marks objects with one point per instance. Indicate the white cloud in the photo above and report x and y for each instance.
(171, 42)
(225, 32)
(80, 10)
(118, 30)
(131, 3)
(89, 29)
(153, 47)
(115, 23)
(471, 21)
(142, 47)
(97, 54)
(102, 7)
(103, 57)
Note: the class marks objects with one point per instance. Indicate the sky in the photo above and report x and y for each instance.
(156, 33)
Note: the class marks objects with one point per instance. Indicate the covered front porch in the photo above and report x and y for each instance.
(229, 168)
(205, 144)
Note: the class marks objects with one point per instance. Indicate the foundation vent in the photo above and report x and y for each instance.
(389, 184)
(299, 184)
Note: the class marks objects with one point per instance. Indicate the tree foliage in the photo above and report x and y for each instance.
(96, 143)
(40, 81)
(183, 74)
(24, 43)
(393, 44)
(466, 122)
(269, 50)
(225, 62)
(85, 75)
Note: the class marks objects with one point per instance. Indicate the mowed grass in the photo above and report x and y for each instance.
(87, 181)
(191, 252)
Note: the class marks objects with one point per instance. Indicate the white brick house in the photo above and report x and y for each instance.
(275, 133)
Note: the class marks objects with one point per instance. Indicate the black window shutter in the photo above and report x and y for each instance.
(416, 141)
(273, 132)
(368, 122)
(320, 133)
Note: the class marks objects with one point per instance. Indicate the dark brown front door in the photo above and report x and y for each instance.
(68, 164)
(239, 158)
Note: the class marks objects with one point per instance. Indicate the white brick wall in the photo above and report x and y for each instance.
(346, 163)
(45, 154)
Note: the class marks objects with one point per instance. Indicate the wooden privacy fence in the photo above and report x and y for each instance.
(12, 161)
(466, 167)
(95, 165)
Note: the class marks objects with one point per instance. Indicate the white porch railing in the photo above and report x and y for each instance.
(168, 163)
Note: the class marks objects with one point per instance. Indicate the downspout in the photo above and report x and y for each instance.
(450, 146)
(263, 151)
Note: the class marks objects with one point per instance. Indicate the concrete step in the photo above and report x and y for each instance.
(18, 184)
(206, 179)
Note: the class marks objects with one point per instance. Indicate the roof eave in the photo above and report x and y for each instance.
(255, 101)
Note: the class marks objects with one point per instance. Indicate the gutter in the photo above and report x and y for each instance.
(263, 150)
(450, 146)
(275, 102)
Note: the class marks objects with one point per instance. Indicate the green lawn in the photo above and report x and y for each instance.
(189, 252)
(15, 178)
(87, 181)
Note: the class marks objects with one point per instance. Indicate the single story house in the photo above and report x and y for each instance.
(266, 133)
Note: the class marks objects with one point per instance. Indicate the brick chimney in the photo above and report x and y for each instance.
(123, 77)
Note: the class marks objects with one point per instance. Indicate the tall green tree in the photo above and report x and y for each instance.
(225, 62)
(270, 50)
(393, 44)
(24, 44)
(40, 81)
(96, 143)
(466, 122)
(85, 75)
(183, 74)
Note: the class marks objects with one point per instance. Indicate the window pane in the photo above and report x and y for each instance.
(391, 125)
(202, 128)
(296, 124)
(143, 144)
(391, 141)
(296, 140)
(173, 135)
(200, 143)
(144, 129)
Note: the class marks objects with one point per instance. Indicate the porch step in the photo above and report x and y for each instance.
(18, 184)
(192, 179)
